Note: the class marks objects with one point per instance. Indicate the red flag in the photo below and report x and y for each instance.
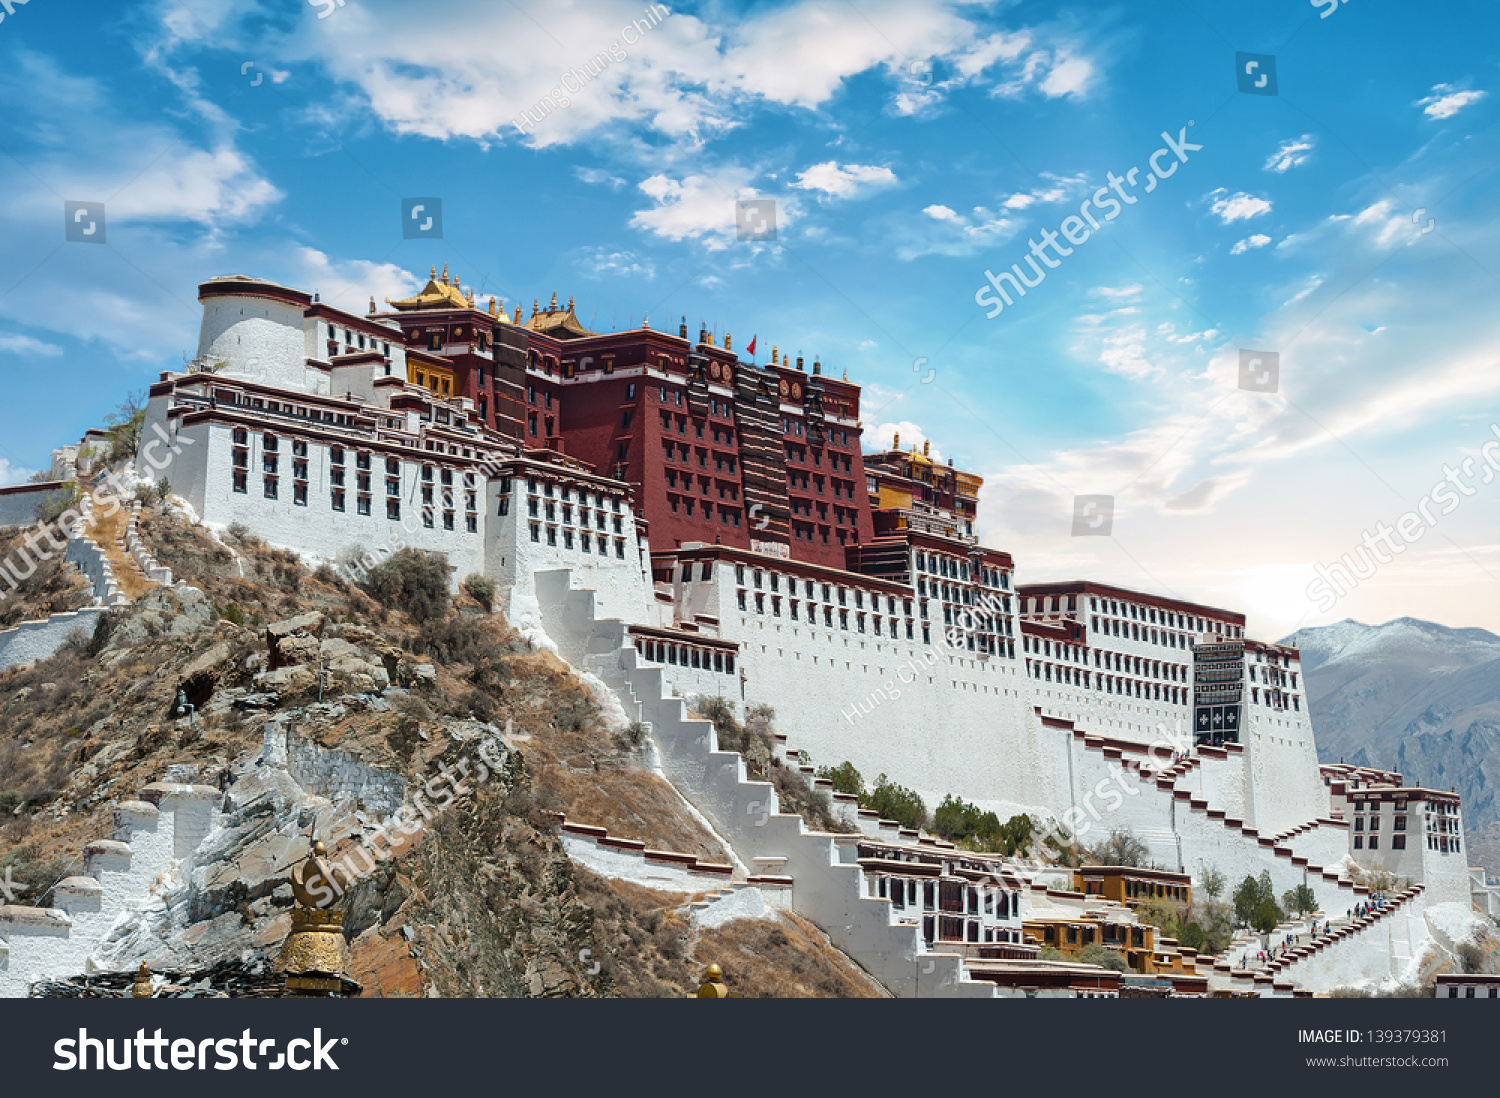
(750, 347)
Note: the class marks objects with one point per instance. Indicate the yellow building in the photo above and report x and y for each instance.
(1126, 884)
(1138, 943)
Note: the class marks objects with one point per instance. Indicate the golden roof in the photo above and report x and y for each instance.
(440, 293)
(560, 323)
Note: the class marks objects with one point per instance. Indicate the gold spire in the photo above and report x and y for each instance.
(553, 307)
(518, 314)
(645, 320)
(535, 307)
(434, 272)
(713, 985)
(773, 354)
(728, 342)
(492, 305)
(846, 373)
(897, 444)
(445, 274)
(314, 955)
(141, 989)
(372, 306)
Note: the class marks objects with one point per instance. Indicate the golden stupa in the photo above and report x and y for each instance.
(315, 955)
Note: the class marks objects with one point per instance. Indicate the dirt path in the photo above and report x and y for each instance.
(110, 534)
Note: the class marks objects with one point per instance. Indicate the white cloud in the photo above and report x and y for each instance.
(687, 78)
(1067, 76)
(13, 474)
(883, 437)
(1118, 293)
(1238, 206)
(602, 262)
(843, 181)
(1256, 240)
(702, 206)
(350, 284)
(1308, 286)
(966, 235)
(600, 177)
(1446, 101)
(17, 344)
(1291, 153)
(867, 345)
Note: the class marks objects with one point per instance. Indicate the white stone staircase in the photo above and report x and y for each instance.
(153, 841)
(745, 813)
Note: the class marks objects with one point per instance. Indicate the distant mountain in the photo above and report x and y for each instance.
(1415, 697)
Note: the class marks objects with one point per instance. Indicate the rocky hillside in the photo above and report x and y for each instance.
(320, 711)
(1417, 697)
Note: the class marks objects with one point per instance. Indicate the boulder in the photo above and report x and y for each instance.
(310, 623)
(287, 681)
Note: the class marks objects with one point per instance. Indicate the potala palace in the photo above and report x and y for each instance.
(680, 523)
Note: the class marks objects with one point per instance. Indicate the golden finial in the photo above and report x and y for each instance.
(434, 272)
(645, 322)
(553, 307)
(897, 444)
(728, 341)
(846, 373)
(773, 354)
(570, 303)
(518, 314)
(471, 297)
(141, 989)
(713, 985)
(926, 448)
(682, 329)
(535, 307)
(445, 274)
(372, 306)
(314, 955)
(492, 305)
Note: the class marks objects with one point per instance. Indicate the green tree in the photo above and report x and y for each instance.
(413, 581)
(1301, 900)
(845, 779)
(895, 802)
(482, 590)
(1255, 903)
(1103, 956)
(1246, 897)
(1266, 915)
(1121, 848)
(1016, 834)
(1212, 882)
(123, 426)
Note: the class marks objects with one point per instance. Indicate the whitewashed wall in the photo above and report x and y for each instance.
(34, 641)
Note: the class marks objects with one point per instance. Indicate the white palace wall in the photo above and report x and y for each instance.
(258, 339)
(203, 474)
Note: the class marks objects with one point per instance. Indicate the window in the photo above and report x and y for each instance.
(338, 499)
(393, 508)
(299, 493)
(241, 481)
(270, 487)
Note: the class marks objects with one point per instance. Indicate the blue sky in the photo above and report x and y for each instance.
(909, 146)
